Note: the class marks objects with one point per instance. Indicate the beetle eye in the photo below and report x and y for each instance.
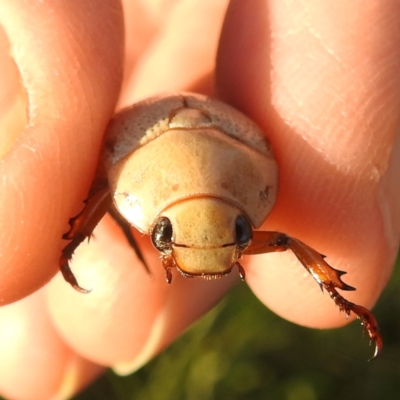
(161, 235)
(243, 231)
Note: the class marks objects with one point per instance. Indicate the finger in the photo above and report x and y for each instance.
(128, 316)
(181, 55)
(146, 314)
(324, 86)
(33, 353)
(64, 66)
(143, 20)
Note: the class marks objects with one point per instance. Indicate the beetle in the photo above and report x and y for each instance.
(199, 177)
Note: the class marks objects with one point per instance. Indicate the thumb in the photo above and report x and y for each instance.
(61, 71)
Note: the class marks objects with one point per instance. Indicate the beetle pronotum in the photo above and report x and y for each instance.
(199, 177)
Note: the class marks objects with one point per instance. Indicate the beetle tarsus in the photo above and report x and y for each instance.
(242, 273)
(66, 256)
(371, 326)
(81, 227)
(168, 275)
(367, 319)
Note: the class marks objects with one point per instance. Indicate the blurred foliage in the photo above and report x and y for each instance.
(241, 350)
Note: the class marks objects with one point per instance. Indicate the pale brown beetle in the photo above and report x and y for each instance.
(169, 167)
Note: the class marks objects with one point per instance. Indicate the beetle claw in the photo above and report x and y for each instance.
(367, 318)
(68, 274)
(242, 272)
(371, 326)
(168, 275)
(81, 227)
(80, 289)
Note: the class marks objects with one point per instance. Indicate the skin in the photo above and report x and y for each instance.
(323, 84)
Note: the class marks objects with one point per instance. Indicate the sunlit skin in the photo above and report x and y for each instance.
(320, 78)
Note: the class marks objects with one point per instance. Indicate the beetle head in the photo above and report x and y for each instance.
(202, 237)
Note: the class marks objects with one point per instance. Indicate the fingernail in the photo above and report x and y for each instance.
(149, 349)
(78, 373)
(13, 97)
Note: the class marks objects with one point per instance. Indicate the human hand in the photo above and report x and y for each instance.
(128, 317)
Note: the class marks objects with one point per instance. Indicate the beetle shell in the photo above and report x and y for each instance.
(175, 147)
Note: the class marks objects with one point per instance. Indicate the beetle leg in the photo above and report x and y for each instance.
(81, 227)
(126, 228)
(168, 263)
(328, 278)
(242, 273)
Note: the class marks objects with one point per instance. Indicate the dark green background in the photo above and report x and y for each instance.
(241, 350)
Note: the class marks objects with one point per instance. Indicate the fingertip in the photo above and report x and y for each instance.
(33, 353)
(187, 57)
(333, 131)
(243, 58)
(125, 297)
